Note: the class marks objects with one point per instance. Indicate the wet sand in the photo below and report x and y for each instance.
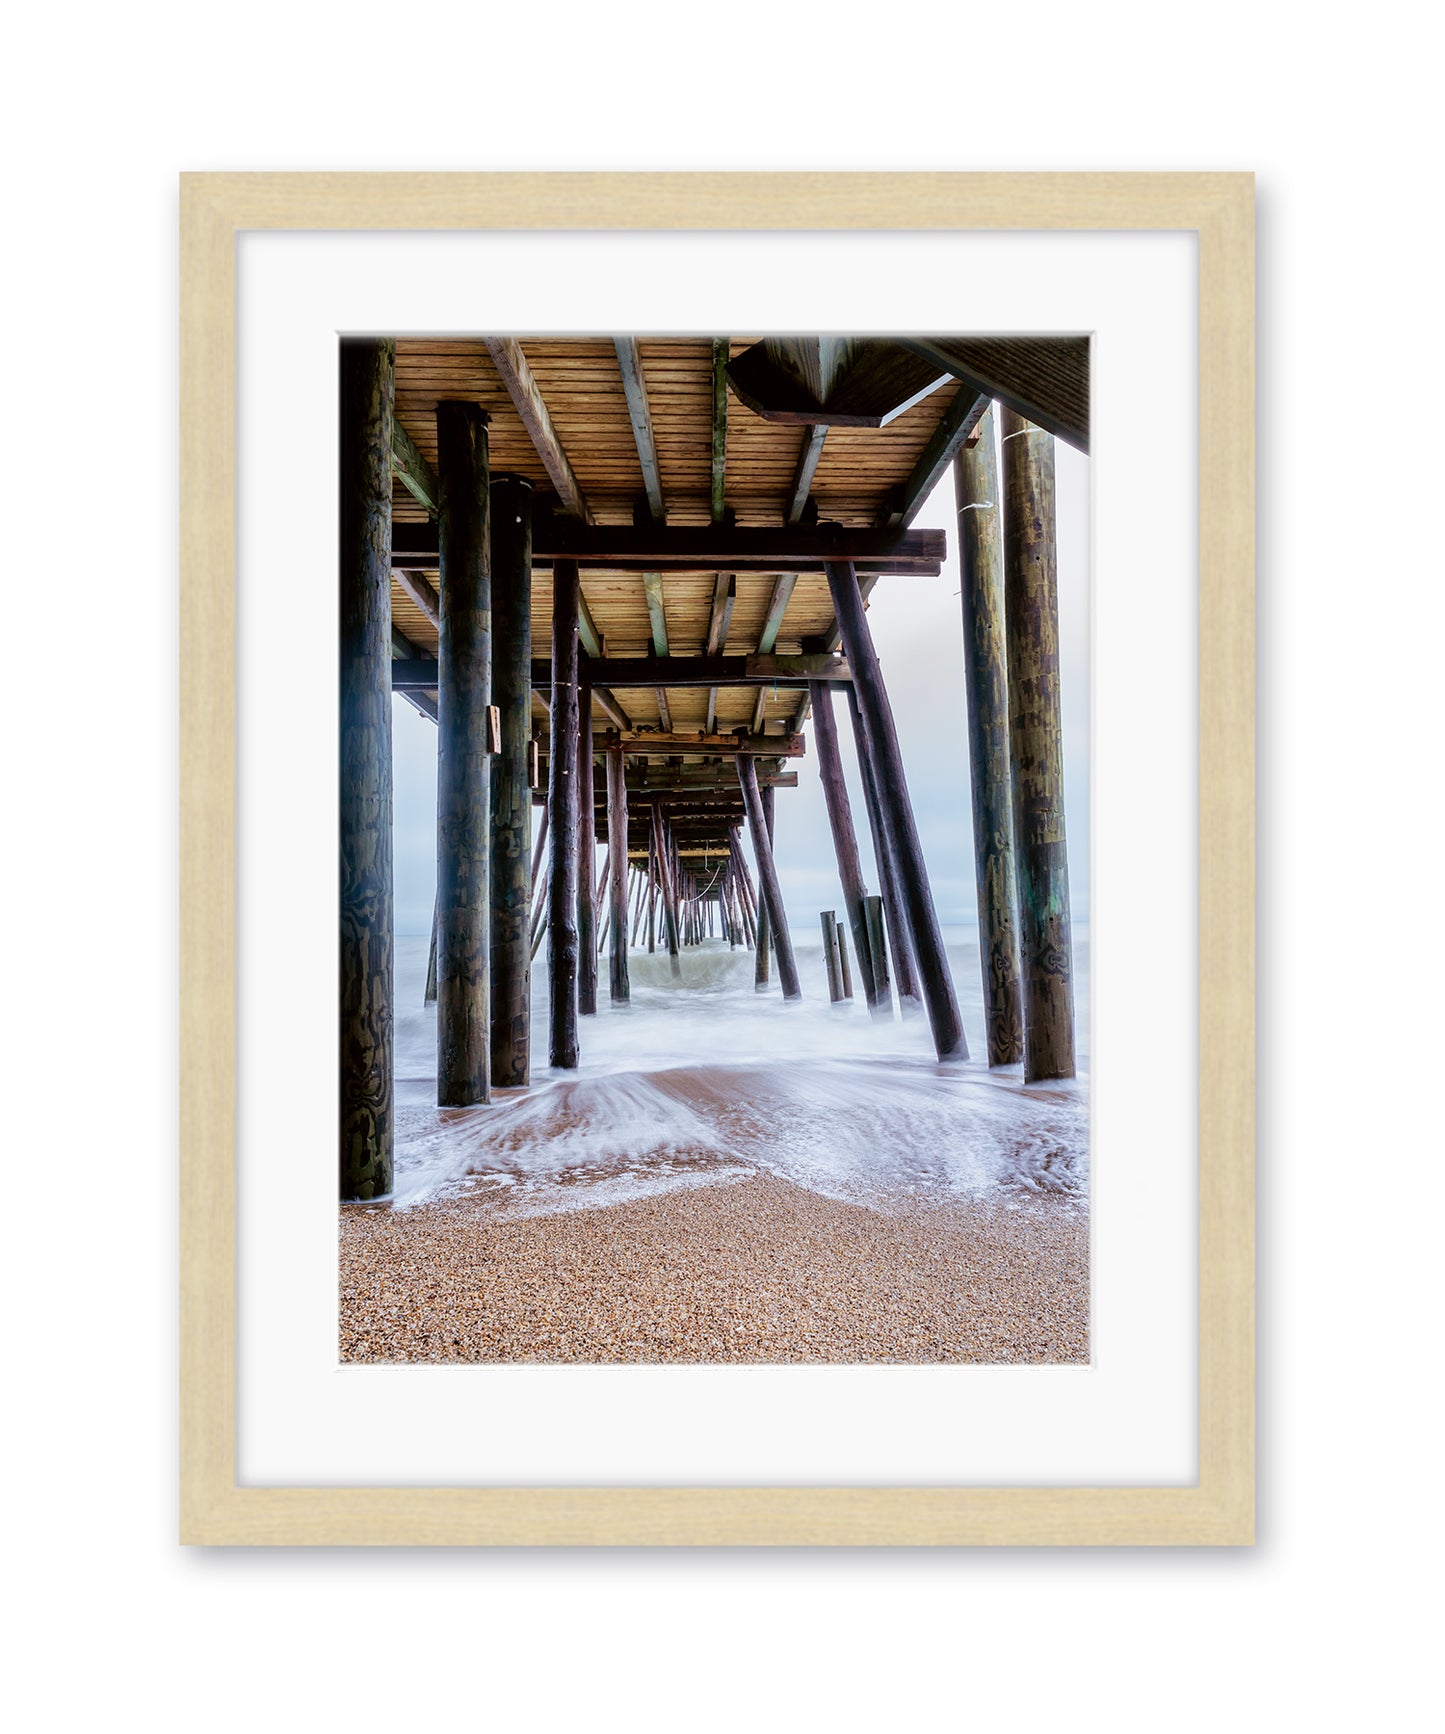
(749, 1270)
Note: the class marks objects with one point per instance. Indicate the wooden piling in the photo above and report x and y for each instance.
(429, 993)
(985, 675)
(464, 695)
(537, 849)
(895, 925)
(562, 805)
(762, 971)
(367, 385)
(1036, 749)
(843, 965)
(586, 857)
(669, 892)
(511, 869)
(652, 887)
(617, 845)
(878, 948)
(896, 807)
(834, 968)
(840, 823)
(768, 878)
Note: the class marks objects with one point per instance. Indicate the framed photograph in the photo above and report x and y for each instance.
(756, 1045)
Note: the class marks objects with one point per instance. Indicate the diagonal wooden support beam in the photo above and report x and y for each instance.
(721, 347)
(663, 712)
(610, 708)
(412, 469)
(592, 641)
(656, 613)
(833, 637)
(422, 593)
(808, 455)
(777, 608)
(760, 710)
(517, 376)
(958, 424)
(634, 387)
(724, 595)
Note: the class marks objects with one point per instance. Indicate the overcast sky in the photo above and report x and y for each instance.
(917, 626)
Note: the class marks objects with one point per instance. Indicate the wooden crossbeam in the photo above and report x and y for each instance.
(422, 593)
(716, 548)
(591, 639)
(962, 417)
(1046, 379)
(420, 673)
(656, 613)
(412, 469)
(634, 387)
(606, 703)
(638, 743)
(777, 608)
(811, 451)
(837, 381)
(662, 709)
(720, 350)
(521, 384)
(724, 595)
(760, 710)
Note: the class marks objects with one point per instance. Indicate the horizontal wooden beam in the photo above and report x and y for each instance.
(420, 673)
(411, 468)
(713, 548)
(512, 365)
(1046, 379)
(652, 743)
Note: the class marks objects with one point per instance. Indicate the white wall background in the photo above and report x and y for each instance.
(1325, 1624)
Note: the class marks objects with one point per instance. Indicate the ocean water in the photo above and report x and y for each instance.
(705, 1081)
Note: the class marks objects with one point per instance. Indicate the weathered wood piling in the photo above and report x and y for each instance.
(985, 673)
(562, 805)
(586, 858)
(621, 990)
(768, 878)
(896, 807)
(845, 839)
(464, 695)
(511, 816)
(366, 1008)
(1036, 749)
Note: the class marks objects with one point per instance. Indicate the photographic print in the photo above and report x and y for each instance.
(714, 848)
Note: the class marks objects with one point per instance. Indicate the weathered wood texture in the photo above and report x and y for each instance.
(620, 987)
(429, 993)
(831, 962)
(464, 667)
(1036, 749)
(586, 859)
(762, 971)
(366, 1009)
(562, 805)
(526, 396)
(909, 998)
(768, 880)
(896, 808)
(669, 890)
(511, 870)
(634, 386)
(845, 839)
(985, 674)
(1045, 379)
(720, 349)
(878, 948)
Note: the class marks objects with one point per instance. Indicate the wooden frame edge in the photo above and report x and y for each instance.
(1220, 1509)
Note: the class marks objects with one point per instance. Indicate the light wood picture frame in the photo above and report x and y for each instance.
(1219, 1508)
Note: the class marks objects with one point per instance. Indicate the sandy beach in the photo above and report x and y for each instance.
(756, 1269)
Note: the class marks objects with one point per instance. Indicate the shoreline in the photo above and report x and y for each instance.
(754, 1269)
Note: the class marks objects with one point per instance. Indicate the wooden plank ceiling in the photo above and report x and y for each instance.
(858, 472)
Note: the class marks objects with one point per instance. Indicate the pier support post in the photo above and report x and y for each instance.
(831, 960)
(985, 677)
(845, 839)
(617, 845)
(464, 693)
(669, 890)
(897, 810)
(878, 948)
(511, 1008)
(368, 368)
(768, 878)
(909, 999)
(562, 807)
(1036, 753)
(429, 993)
(586, 858)
(762, 973)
